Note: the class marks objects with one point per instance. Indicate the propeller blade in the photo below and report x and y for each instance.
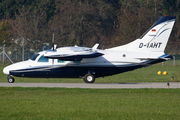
(53, 41)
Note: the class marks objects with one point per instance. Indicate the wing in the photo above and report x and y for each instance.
(73, 53)
(74, 57)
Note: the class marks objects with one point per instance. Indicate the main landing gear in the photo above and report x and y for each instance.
(10, 79)
(89, 78)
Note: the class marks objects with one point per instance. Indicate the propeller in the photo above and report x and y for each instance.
(53, 41)
(52, 50)
(53, 45)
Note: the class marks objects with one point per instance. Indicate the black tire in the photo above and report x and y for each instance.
(11, 80)
(89, 78)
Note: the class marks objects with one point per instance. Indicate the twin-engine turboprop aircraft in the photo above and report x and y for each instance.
(90, 63)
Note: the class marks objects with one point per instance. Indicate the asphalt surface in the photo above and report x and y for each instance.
(94, 85)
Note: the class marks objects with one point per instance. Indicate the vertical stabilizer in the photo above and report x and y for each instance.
(154, 39)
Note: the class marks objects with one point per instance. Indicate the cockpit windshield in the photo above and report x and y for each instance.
(34, 57)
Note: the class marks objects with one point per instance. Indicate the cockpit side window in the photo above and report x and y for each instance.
(60, 61)
(43, 59)
(34, 57)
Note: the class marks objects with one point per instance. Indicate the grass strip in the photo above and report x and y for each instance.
(88, 104)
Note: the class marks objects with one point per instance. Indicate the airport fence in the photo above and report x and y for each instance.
(15, 54)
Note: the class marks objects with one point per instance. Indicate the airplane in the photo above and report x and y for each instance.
(91, 63)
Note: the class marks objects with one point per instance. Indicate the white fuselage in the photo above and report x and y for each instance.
(111, 58)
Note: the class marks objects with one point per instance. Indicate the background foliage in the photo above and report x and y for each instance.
(83, 22)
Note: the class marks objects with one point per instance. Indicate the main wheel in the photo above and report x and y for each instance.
(89, 78)
(11, 80)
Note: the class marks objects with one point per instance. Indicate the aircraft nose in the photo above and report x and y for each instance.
(6, 70)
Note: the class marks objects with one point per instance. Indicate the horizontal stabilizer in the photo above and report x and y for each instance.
(153, 58)
(164, 57)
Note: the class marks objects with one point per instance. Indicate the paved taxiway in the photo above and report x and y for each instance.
(94, 85)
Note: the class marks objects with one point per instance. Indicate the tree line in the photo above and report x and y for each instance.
(82, 22)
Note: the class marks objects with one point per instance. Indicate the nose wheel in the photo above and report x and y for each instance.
(10, 79)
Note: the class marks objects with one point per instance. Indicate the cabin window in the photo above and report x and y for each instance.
(60, 61)
(34, 57)
(43, 59)
(76, 61)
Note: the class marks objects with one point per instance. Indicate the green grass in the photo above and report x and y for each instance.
(89, 104)
(148, 74)
(94, 104)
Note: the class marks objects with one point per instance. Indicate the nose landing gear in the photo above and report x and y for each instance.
(10, 79)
